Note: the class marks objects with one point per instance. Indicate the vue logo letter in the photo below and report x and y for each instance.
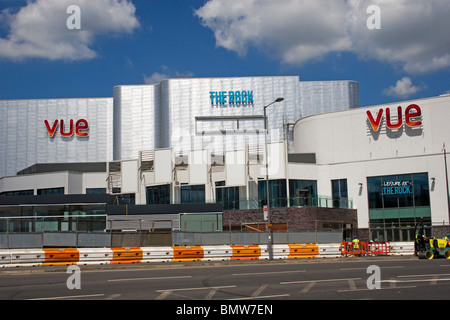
(81, 128)
(412, 118)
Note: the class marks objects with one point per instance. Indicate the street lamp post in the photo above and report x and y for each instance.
(269, 247)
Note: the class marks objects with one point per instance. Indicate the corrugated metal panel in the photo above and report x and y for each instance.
(134, 120)
(147, 117)
(25, 141)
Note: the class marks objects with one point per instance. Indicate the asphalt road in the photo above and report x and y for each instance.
(395, 278)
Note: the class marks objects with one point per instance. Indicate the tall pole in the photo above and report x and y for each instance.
(266, 155)
(446, 181)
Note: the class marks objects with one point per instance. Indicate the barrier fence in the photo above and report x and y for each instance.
(125, 255)
(365, 248)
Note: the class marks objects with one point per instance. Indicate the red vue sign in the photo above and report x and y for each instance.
(412, 118)
(80, 128)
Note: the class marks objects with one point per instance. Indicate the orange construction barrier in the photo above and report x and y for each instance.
(246, 252)
(189, 253)
(65, 257)
(350, 248)
(126, 255)
(378, 248)
(297, 251)
(365, 248)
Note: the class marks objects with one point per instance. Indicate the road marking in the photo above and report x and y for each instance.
(210, 294)
(154, 278)
(393, 267)
(352, 284)
(432, 280)
(259, 290)
(308, 287)
(265, 273)
(199, 288)
(326, 280)
(390, 288)
(167, 292)
(163, 295)
(424, 275)
(70, 297)
(261, 297)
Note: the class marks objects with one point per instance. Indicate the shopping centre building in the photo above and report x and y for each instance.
(188, 141)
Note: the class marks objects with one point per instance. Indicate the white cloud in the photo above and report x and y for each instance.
(157, 77)
(403, 88)
(39, 30)
(414, 33)
(293, 30)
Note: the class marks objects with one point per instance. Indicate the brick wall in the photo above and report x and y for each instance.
(297, 218)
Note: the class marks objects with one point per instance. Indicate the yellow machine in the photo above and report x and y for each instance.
(429, 248)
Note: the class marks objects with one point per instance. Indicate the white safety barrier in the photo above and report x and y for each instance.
(402, 248)
(101, 256)
(95, 256)
(329, 250)
(217, 253)
(280, 251)
(22, 257)
(157, 254)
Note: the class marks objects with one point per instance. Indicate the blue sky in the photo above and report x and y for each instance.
(143, 41)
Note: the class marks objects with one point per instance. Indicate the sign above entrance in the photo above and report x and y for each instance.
(223, 99)
(412, 118)
(397, 187)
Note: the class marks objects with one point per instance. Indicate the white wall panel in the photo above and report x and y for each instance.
(198, 167)
(163, 166)
(130, 176)
(277, 168)
(236, 169)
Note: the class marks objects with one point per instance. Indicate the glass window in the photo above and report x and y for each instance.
(158, 194)
(421, 190)
(374, 194)
(129, 198)
(398, 191)
(95, 190)
(339, 193)
(277, 193)
(17, 193)
(228, 196)
(51, 191)
(396, 202)
(303, 192)
(193, 194)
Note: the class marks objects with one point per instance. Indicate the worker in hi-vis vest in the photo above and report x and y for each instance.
(355, 243)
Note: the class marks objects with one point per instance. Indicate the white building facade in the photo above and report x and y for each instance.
(388, 159)
(203, 140)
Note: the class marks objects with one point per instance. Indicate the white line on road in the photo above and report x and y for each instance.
(326, 280)
(433, 280)
(167, 292)
(70, 297)
(261, 297)
(259, 290)
(266, 273)
(308, 287)
(199, 288)
(154, 278)
(393, 267)
(390, 288)
(424, 275)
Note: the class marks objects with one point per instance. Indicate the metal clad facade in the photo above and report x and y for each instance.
(147, 117)
(25, 141)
